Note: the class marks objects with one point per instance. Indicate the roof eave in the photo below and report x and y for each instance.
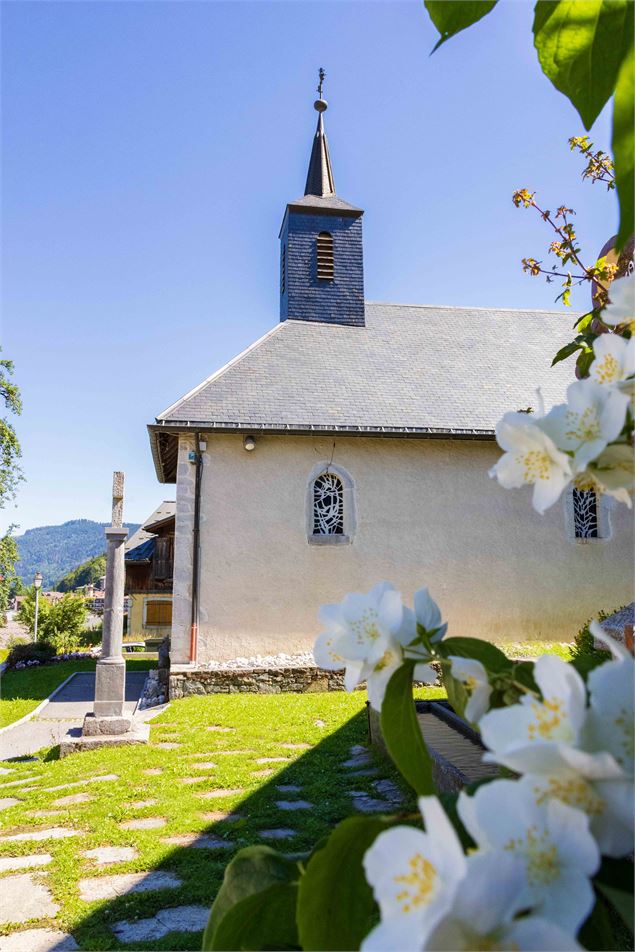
(421, 432)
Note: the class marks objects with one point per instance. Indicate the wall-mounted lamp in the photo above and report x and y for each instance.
(249, 443)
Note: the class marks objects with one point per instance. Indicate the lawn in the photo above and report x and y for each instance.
(216, 744)
(22, 691)
(534, 649)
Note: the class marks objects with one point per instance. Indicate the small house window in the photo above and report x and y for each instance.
(328, 505)
(585, 514)
(283, 270)
(325, 262)
(158, 612)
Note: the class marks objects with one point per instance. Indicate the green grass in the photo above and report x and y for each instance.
(330, 723)
(22, 691)
(534, 649)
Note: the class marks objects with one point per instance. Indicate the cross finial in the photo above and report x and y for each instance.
(321, 74)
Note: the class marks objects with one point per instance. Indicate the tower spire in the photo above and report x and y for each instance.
(319, 180)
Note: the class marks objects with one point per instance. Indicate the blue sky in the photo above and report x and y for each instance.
(149, 149)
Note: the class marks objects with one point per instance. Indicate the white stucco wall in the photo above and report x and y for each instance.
(426, 513)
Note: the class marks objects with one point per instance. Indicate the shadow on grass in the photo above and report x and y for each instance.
(330, 790)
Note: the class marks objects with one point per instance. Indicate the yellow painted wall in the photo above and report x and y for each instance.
(136, 628)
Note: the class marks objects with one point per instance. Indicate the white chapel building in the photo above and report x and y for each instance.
(351, 444)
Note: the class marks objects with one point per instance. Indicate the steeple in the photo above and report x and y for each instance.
(321, 253)
(319, 180)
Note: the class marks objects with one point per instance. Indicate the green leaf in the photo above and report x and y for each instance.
(584, 361)
(597, 932)
(615, 881)
(491, 657)
(565, 352)
(584, 322)
(581, 45)
(623, 145)
(265, 920)
(252, 870)
(402, 734)
(336, 909)
(523, 673)
(451, 18)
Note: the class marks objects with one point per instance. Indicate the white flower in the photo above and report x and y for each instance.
(610, 720)
(365, 635)
(428, 615)
(414, 876)
(357, 631)
(613, 472)
(552, 742)
(531, 458)
(591, 418)
(614, 359)
(482, 916)
(552, 840)
(473, 677)
(621, 307)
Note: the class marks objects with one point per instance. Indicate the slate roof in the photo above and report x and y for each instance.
(138, 547)
(409, 370)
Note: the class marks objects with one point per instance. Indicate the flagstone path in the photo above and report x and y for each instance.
(27, 897)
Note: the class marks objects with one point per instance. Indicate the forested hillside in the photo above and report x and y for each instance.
(56, 550)
(84, 574)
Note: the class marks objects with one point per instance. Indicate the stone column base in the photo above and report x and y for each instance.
(110, 688)
(139, 733)
(96, 726)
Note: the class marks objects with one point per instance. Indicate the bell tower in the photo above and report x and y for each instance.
(321, 253)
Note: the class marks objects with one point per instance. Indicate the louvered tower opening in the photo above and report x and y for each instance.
(325, 263)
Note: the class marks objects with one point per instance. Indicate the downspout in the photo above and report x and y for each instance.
(196, 549)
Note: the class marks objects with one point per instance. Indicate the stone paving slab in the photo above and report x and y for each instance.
(219, 816)
(219, 730)
(198, 841)
(296, 746)
(71, 799)
(294, 805)
(105, 855)
(144, 823)
(218, 794)
(266, 772)
(80, 783)
(176, 919)
(191, 780)
(6, 802)
(8, 863)
(38, 940)
(142, 804)
(120, 884)
(167, 745)
(24, 898)
(54, 833)
(18, 783)
(272, 760)
(282, 833)
(152, 772)
(204, 765)
(42, 813)
(229, 753)
(288, 788)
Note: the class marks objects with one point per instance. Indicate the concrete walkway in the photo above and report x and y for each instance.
(64, 711)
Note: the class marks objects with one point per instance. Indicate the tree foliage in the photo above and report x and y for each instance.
(85, 574)
(60, 624)
(10, 452)
(8, 558)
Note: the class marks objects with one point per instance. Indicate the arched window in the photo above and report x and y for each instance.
(585, 514)
(328, 505)
(587, 517)
(325, 262)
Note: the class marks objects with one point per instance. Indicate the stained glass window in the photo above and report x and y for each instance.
(328, 505)
(585, 514)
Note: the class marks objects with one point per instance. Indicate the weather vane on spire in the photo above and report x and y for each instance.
(322, 74)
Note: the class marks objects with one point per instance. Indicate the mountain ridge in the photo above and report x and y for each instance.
(55, 550)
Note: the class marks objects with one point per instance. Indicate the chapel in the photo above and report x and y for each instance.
(351, 444)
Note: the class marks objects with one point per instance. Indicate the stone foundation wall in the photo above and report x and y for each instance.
(256, 681)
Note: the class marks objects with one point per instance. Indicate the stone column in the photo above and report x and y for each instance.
(110, 677)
